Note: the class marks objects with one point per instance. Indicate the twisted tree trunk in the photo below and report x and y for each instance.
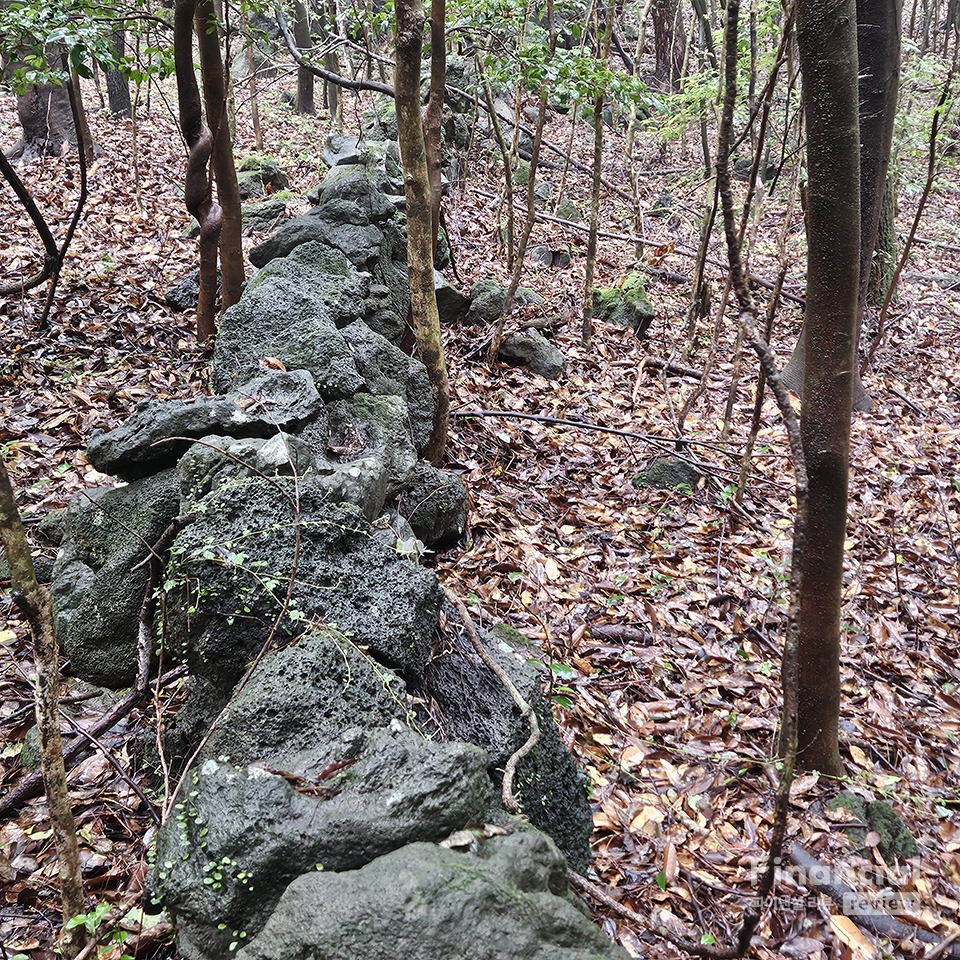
(198, 189)
(215, 87)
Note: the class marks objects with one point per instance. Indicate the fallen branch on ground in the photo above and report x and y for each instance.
(32, 785)
(880, 924)
(646, 923)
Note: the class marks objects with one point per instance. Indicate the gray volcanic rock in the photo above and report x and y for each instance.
(503, 900)
(158, 432)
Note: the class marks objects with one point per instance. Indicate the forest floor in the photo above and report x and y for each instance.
(656, 616)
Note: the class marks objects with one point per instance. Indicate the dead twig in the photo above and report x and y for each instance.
(647, 923)
(112, 760)
(32, 785)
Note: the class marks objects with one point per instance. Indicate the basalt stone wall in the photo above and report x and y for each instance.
(344, 802)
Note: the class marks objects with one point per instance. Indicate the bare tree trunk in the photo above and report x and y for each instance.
(198, 190)
(586, 327)
(603, 53)
(497, 338)
(423, 297)
(878, 46)
(85, 141)
(252, 87)
(215, 83)
(668, 52)
(118, 90)
(433, 139)
(827, 38)
(47, 121)
(331, 63)
(34, 601)
(301, 33)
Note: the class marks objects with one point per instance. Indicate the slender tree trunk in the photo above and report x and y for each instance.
(497, 338)
(331, 63)
(416, 179)
(586, 328)
(433, 139)
(827, 38)
(34, 601)
(252, 87)
(301, 33)
(198, 190)
(118, 90)
(878, 46)
(85, 140)
(215, 82)
(603, 53)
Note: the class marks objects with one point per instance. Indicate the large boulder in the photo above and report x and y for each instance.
(625, 305)
(264, 216)
(529, 348)
(502, 898)
(452, 305)
(373, 426)
(232, 566)
(487, 300)
(341, 226)
(184, 294)
(301, 700)
(476, 707)
(101, 574)
(158, 432)
(388, 371)
(258, 175)
(291, 312)
(354, 217)
(341, 149)
(242, 832)
(434, 503)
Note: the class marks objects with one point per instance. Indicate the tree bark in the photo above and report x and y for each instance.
(432, 118)
(301, 33)
(878, 47)
(215, 82)
(603, 54)
(668, 53)
(423, 298)
(47, 121)
(827, 39)
(34, 601)
(883, 273)
(118, 90)
(84, 139)
(198, 190)
(252, 86)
